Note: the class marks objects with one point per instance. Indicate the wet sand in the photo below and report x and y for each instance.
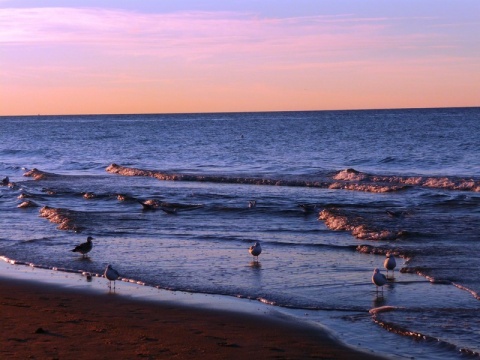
(44, 321)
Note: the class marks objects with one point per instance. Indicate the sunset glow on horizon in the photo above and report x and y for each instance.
(91, 57)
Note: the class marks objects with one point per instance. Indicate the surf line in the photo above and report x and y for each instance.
(128, 171)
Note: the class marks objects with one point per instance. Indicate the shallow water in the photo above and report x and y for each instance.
(414, 192)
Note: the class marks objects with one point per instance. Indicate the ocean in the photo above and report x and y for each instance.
(174, 201)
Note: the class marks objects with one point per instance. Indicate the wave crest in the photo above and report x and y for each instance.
(337, 220)
(127, 171)
(27, 204)
(348, 179)
(38, 174)
(350, 175)
(64, 217)
(448, 183)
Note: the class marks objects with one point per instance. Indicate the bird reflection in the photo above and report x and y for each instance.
(255, 264)
(378, 301)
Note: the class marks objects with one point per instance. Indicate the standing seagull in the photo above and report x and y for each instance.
(255, 250)
(390, 263)
(378, 279)
(85, 247)
(111, 274)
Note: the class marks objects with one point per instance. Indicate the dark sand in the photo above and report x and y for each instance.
(42, 321)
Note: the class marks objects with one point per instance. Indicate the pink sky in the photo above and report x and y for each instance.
(80, 59)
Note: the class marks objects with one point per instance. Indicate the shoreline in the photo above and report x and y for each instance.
(50, 314)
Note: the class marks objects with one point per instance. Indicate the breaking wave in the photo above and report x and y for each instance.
(359, 226)
(348, 179)
(65, 218)
(38, 174)
(449, 183)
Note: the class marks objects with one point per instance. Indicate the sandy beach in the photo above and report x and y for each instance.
(43, 321)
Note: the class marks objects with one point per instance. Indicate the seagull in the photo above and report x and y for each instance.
(85, 247)
(255, 250)
(389, 263)
(378, 279)
(252, 203)
(111, 274)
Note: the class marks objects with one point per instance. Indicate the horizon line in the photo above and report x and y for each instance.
(246, 112)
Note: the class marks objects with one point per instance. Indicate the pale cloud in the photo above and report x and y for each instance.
(196, 35)
(210, 61)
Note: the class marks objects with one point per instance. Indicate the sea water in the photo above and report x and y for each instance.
(334, 192)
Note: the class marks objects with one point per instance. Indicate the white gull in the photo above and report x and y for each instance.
(255, 250)
(111, 274)
(389, 263)
(378, 279)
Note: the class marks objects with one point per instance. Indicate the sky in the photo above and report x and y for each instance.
(183, 56)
